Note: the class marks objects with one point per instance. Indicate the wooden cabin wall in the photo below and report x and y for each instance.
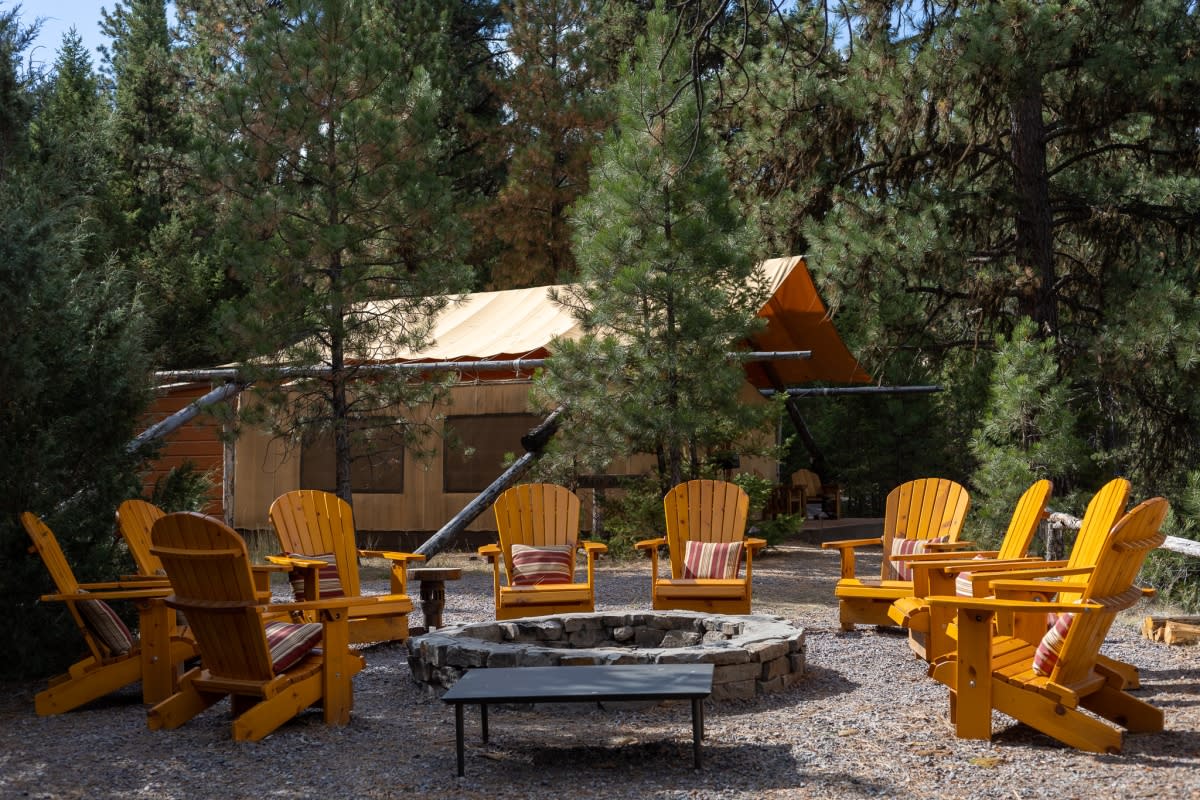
(265, 469)
(199, 442)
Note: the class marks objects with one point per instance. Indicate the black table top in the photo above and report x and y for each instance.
(582, 683)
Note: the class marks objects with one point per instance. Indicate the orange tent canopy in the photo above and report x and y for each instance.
(522, 323)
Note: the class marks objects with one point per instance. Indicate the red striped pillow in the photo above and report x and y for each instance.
(329, 584)
(290, 642)
(1047, 652)
(534, 566)
(104, 624)
(963, 585)
(711, 559)
(900, 570)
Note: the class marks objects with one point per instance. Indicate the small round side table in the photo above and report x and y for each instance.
(433, 591)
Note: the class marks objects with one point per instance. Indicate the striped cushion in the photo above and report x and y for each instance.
(533, 566)
(1046, 654)
(328, 582)
(711, 559)
(900, 570)
(963, 586)
(290, 642)
(104, 624)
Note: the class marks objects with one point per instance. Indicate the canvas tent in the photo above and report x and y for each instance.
(489, 408)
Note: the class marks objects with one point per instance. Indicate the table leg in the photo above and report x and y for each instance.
(697, 728)
(458, 738)
(483, 720)
(433, 602)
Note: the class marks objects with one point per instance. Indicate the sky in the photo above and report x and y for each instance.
(57, 18)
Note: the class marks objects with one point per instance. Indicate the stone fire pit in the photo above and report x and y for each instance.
(751, 654)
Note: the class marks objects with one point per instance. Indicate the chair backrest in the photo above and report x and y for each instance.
(1102, 512)
(536, 514)
(314, 523)
(209, 569)
(1111, 584)
(51, 552)
(1030, 510)
(703, 511)
(807, 480)
(135, 518)
(925, 508)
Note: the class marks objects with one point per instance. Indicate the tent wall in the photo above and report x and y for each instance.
(265, 468)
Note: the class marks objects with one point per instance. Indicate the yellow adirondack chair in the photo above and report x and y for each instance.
(703, 519)
(115, 658)
(999, 672)
(1102, 512)
(927, 514)
(312, 524)
(807, 488)
(936, 573)
(270, 670)
(544, 517)
(135, 518)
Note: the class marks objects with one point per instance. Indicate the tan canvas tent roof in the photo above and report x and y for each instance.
(522, 323)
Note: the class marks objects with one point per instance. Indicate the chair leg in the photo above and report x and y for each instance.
(70, 694)
(1120, 675)
(1124, 709)
(1070, 726)
(265, 716)
(181, 706)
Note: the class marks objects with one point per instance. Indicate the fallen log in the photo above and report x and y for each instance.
(1172, 630)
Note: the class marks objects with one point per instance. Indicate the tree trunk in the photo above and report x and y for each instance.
(1034, 223)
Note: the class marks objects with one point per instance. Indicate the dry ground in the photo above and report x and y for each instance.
(865, 722)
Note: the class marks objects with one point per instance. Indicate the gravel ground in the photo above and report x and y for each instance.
(865, 722)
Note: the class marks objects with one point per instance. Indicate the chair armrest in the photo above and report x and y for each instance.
(842, 544)
(325, 603)
(392, 555)
(1044, 587)
(944, 559)
(1032, 573)
(935, 547)
(489, 551)
(591, 547)
(847, 547)
(114, 594)
(399, 563)
(296, 562)
(650, 544)
(991, 604)
(753, 543)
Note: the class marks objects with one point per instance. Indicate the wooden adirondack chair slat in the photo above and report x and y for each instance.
(315, 523)
(703, 511)
(539, 515)
(155, 659)
(922, 509)
(990, 672)
(214, 585)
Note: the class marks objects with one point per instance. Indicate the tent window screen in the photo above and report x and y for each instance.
(376, 460)
(487, 437)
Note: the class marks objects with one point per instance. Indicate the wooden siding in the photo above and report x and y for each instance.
(266, 469)
(199, 441)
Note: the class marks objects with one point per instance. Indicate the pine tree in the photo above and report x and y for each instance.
(554, 121)
(953, 168)
(668, 284)
(149, 130)
(74, 370)
(334, 217)
(1027, 430)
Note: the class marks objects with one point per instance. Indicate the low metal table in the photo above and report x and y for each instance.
(581, 684)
